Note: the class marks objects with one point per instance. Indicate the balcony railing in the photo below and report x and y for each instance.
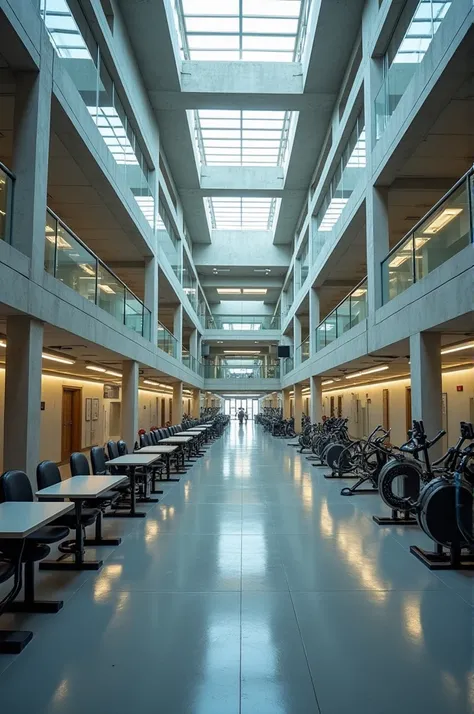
(302, 351)
(287, 365)
(69, 260)
(192, 363)
(348, 314)
(166, 341)
(241, 323)
(271, 370)
(7, 180)
(445, 230)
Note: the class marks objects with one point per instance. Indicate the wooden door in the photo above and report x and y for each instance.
(331, 406)
(71, 421)
(339, 406)
(408, 416)
(386, 409)
(171, 411)
(163, 415)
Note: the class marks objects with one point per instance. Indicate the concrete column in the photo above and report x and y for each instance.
(177, 402)
(196, 403)
(286, 404)
(178, 330)
(32, 120)
(296, 340)
(316, 400)
(298, 392)
(130, 402)
(193, 343)
(377, 245)
(21, 430)
(314, 319)
(151, 296)
(426, 386)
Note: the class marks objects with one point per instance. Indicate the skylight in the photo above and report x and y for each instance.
(249, 30)
(241, 213)
(241, 138)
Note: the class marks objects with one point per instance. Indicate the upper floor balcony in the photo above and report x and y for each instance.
(7, 181)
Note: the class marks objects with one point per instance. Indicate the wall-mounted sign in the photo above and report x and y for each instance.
(43, 406)
(111, 391)
(460, 388)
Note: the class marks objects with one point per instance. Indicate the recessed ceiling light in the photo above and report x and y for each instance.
(229, 291)
(94, 368)
(457, 348)
(255, 291)
(112, 373)
(57, 358)
(241, 352)
(367, 371)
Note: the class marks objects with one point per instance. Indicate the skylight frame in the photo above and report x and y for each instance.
(238, 50)
(241, 213)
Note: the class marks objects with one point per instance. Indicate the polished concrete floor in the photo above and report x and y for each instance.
(253, 587)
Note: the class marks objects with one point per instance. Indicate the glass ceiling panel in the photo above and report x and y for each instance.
(241, 137)
(241, 213)
(248, 30)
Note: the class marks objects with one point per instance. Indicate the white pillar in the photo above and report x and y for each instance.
(314, 319)
(296, 341)
(196, 404)
(32, 120)
(23, 396)
(151, 296)
(286, 404)
(298, 396)
(130, 402)
(377, 245)
(178, 330)
(316, 400)
(426, 384)
(177, 402)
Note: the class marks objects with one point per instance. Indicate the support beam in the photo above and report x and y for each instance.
(377, 245)
(296, 340)
(298, 391)
(178, 330)
(314, 319)
(286, 404)
(177, 402)
(196, 404)
(23, 395)
(151, 298)
(316, 401)
(426, 384)
(129, 402)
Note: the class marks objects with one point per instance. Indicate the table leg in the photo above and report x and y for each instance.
(14, 641)
(133, 513)
(77, 561)
(146, 498)
(98, 540)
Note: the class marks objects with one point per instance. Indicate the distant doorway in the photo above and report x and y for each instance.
(408, 416)
(71, 421)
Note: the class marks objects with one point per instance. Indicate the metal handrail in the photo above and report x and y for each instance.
(160, 324)
(6, 170)
(91, 252)
(432, 210)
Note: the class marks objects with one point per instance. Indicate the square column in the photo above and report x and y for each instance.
(32, 120)
(314, 319)
(377, 246)
(177, 402)
(196, 404)
(316, 400)
(286, 404)
(298, 406)
(296, 340)
(178, 330)
(426, 384)
(130, 402)
(151, 296)
(22, 416)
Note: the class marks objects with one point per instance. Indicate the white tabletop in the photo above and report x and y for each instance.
(81, 487)
(201, 428)
(133, 460)
(157, 449)
(176, 440)
(19, 518)
(190, 432)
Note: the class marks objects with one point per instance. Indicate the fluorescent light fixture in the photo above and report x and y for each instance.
(107, 289)
(3, 343)
(254, 291)
(359, 292)
(229, 291)
(367, 371)
(399, 260)
(241, 352)
(442, 220)
(153, 384)
(59, 240)
(57, 358)
(95, 368)
(458, 348)
(87, 269)
(328, 381)
(112, 373)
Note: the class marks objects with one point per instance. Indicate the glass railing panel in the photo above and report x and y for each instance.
(320, 337)
(358, 299)
(146, 323)
(398, 270)
(331, 328)
(133, 313)
(343, 317)
(443, 234)
(110, 293)
(166, 341)
(50, 232)
(6, 197)
(76, 267)
(305, 350)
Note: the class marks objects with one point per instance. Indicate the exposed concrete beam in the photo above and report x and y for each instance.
(243, 249)
(276, 100)
(242, 179)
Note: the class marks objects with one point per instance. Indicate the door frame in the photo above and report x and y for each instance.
(76, 412)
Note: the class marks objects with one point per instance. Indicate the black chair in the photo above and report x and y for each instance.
(153, 437)
(47, 474)
(144, 440)
(15, 486)
(122, 447)
(11, 642)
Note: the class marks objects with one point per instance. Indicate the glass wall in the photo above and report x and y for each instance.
(349, 313)
(243, 322)
(70, 261)
(79, 53)
(169, 239)
(443, 232)
(243, 369)
(350, 168)
(408, 46)
(167, 341)
(6, 197)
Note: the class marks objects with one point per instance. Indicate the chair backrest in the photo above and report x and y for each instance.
(167, 432)
(179, 428)
(152, 438)
(112, 450)
(98, 461)
(47, 474)
(15, 486)
(144, 440)
(122, 447)
(79, 464)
